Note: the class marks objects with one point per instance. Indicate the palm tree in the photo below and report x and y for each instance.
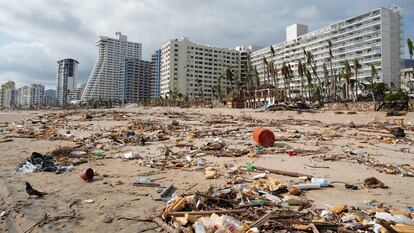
(326, 81)
(300, 72)
(332, 73)
(410, 51)
(347, 75)
(356, 66)
(219, 91)
(229, 74)
(200, 86)
(308, 79)
(310, 61)
(290, 78)
(267, 71)
(273, 71)
(373, 75)
(249, 74)
(285, 73)
(256, 74)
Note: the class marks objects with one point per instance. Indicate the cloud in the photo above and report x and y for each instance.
(37, 33)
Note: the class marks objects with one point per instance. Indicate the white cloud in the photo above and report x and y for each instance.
(49, 30)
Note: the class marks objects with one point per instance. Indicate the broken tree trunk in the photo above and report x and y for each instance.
(283, 173)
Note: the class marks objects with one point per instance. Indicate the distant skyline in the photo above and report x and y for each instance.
(34, 37)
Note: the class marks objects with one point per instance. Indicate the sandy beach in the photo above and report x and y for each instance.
(323, 136)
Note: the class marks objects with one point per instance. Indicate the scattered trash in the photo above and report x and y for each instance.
(374, 183)
(250, 167)
(130, 155)
(263, 137)
(260, 176)
(322, 182)
(398, 132)
(87, 174)
(42, 163)
(89, 201)
(145, 182)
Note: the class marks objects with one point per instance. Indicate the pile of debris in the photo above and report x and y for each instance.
(262, 206)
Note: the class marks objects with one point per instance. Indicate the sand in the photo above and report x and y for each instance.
(112, 201)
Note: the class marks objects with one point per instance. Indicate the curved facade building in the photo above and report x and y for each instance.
(105, 79)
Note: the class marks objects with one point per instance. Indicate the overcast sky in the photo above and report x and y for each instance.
(34, 34)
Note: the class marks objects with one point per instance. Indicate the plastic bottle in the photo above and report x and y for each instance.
(322, 182)
(308, 186)
(199, 227)
(232, 225)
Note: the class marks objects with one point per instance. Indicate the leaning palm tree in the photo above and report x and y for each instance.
(356, 67)
(310, 61)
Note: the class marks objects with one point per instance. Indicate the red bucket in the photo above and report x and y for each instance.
(87, 174)
(263, 137)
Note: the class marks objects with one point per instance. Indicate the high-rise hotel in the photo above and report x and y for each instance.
(193, 69)
(105, 79)
(374, 37)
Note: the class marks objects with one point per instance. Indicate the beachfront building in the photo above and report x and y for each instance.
(30, 96)
(37, 95)
(193, 69)
(8, 97)
(135, 85)
(105, 79)
(155, 74)
(76, 94)
(374, 37)
(407, 80)
(66, 78)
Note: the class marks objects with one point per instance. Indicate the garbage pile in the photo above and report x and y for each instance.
(266, 205)
(41, 163)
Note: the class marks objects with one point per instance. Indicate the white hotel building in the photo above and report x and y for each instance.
(186, 66)
(105, 79)
(373, 37)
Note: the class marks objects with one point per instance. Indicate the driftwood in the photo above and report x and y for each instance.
(206, 212)
(262, 220)
(165, 226)
(283, 173)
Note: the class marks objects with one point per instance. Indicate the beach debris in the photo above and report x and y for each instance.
(374, 183)
(165, 193)
(88, 201)
(42, 163)
(87, 174)
(130, 155)
(263, 137)
(144, 182)
(398, 132)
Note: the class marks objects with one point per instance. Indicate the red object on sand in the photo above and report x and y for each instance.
(87, 174)
(263, 137)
